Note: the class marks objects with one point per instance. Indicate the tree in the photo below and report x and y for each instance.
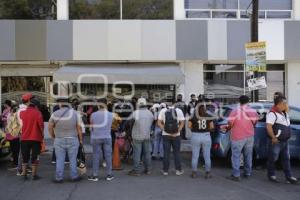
(27, 9)
(132, 9)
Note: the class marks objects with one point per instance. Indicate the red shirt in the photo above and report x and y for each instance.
(242, 119)
(33, 125)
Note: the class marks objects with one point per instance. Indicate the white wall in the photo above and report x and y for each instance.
(193, 72)
(179, 12)
(293, 83)
(272, 31)
(296, 8)
(62, 9)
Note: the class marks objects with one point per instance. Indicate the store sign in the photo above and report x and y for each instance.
(256, 60)
(257, 83)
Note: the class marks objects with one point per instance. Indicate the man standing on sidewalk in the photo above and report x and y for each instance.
(143, 120)
(278, 128)
(101, 122)
(242, 121)
(171, 121)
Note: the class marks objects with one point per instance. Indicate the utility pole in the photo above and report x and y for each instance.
(254, 38)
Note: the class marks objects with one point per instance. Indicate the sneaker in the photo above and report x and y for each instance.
(53, 162)
(292, 180)
(194, 175)
(93, 178)
(273, 179)
(179, 172)
(133, 173)
(234, 178)
(19, 173)
(29, 170)
(109, 177)
(164, 173)
(35, 178)
(104, 164)
(207, 175)
(147, 172)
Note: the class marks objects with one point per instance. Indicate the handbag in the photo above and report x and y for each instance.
(81, 166)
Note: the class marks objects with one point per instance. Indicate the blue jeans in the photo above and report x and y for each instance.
(100, 146)
(282, 148)
(158, 149)
(198, 141)
(173, 142)
(139, 147)
(63, 145)
(244, 146)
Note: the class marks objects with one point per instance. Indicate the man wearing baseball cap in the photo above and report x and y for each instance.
(143, 120)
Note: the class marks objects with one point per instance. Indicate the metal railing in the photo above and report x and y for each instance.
(235, 14)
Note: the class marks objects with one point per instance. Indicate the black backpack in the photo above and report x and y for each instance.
(171, 123)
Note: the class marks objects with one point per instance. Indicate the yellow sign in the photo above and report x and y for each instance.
(256, 60)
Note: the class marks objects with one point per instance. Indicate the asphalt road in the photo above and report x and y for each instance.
(155, 186)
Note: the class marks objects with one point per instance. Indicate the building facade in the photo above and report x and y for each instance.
(200, 51)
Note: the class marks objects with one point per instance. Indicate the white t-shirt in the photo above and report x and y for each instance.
(162, 116)
(22, 107)
(281, 118)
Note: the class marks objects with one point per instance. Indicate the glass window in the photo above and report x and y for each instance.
(153, 93)
(279, 15)
(294, 115)
(226, 82)
(245, 14)
(28, 9)
(224, 14)
(198, 14)
(268, 4)
(211, 4)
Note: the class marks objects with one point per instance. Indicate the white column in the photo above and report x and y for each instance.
(296, 9)
(62, 12)
(293, 83)
(179, 12)
(194, 83)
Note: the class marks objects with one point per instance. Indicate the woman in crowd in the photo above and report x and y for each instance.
(201, 125)
(65, 128)
(6, 111)
(13, 130)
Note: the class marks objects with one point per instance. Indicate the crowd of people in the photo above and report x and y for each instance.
(153, 131)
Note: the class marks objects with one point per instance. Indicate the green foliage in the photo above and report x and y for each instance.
(132, 9)
(88, 9)
(148, 9)
(26, 9)
(14, 9)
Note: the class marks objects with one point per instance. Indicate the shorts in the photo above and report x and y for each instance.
(30, 147)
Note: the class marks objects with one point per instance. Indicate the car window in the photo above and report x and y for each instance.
(224, 112)
(294, 115)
